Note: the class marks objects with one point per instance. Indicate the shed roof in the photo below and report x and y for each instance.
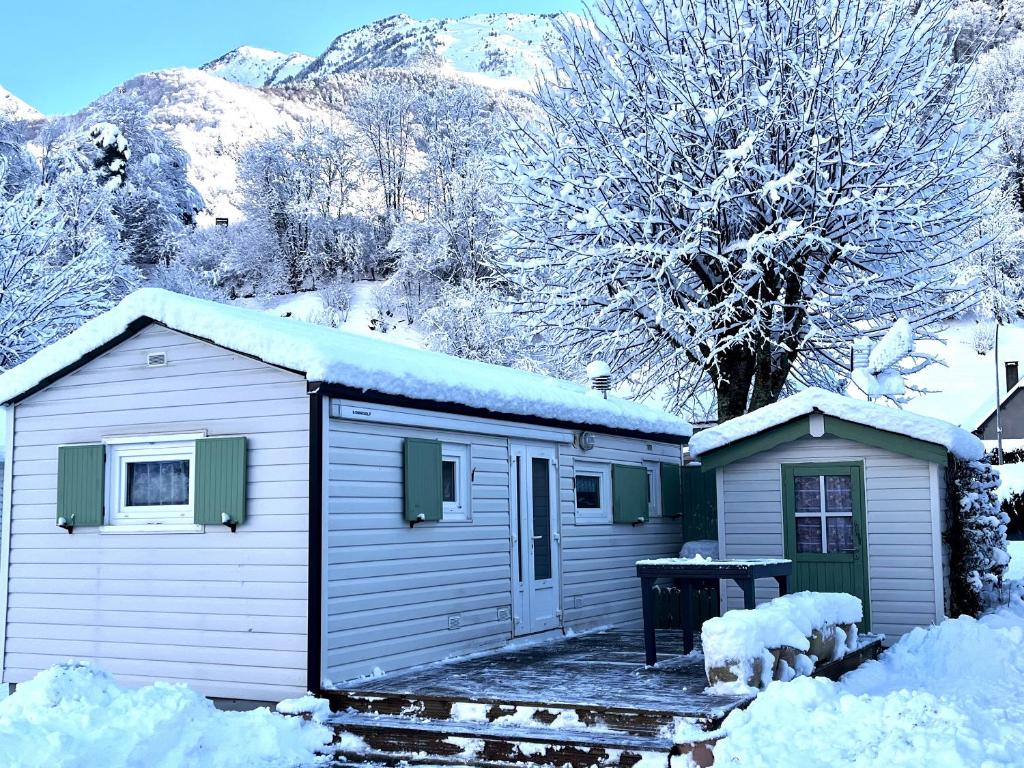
(953, 439)
(328, 355)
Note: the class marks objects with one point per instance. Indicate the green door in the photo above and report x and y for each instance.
(823, 509)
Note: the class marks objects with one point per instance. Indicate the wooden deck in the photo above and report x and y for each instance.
(580, 702)
(600, 671)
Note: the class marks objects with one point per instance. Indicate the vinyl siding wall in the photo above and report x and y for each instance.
(899, 522)
(600, 585)
(391, 589)
(223, 612)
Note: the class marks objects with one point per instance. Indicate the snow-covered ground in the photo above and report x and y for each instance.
(1016, 570)
(75, 716)
(951, 695)
(308, 305)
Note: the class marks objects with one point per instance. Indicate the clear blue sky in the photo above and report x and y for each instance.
(58, 55)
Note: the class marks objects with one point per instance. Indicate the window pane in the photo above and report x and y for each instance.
(157, 483)
(808, 495)
(840, 534)
(588, 492)
(448, 481)
(808, 534)
(541, 519)
(838, 494)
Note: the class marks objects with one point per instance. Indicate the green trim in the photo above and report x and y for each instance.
(890, 441)
(671, 490)
(762, 441)
(80, 491)
(221, 481)
(630, 493)
(421, 480)
(836, 427)
(802, 561)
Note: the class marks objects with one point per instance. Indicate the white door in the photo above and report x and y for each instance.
(536, 560)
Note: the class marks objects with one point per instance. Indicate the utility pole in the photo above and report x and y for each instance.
(999, 427)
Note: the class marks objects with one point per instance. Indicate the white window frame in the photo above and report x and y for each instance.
(601, 515)
(124, 450)
(458, 511)
(654, 489)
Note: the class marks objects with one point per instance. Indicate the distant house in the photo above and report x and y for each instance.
(257, 506)
(853, 492)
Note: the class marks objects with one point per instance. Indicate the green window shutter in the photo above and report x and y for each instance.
(220, 477)
(671, 490)
(80, 470)
(421, 474)
(630, 489)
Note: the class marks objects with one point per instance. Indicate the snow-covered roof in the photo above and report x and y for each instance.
(957, 441)
(336, 357)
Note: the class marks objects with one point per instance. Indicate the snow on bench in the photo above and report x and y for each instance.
(780, 639)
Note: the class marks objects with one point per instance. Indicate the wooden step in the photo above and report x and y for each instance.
(470, 742)
(631, 721)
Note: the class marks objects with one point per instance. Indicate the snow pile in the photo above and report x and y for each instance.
(945, 696)
(329, 355)
(742, 641)
(75, 715)
(957, 441)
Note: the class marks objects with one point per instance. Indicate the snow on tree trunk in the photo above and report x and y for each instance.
(721, 194)
(975, 535)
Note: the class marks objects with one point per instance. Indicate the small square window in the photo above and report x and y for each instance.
(593, 493)
(150, 483)
(588, 491)
(455, 483)
(449, 475)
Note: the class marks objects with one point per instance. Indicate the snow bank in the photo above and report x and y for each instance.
(957, 441)
(947, 696)
(75, 715)
(329, 355)
(784, 621)
(1015, 570)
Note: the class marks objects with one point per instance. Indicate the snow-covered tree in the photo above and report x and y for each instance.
(22, 171)
(724, 193)
(476, 321)
(976, 536)
(384, 113)
(300, 183)
(43, 295)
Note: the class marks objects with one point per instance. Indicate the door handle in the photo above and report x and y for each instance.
(537, 538)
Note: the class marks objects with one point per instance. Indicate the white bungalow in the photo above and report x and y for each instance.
(257, 506)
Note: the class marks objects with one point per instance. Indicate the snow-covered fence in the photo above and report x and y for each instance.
(781, 639)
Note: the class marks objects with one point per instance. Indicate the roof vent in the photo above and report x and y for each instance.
(156, 359)
(600, 375)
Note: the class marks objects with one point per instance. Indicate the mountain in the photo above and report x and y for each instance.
(14, 108)
(213, 119)
(503, 50)
(257, 67)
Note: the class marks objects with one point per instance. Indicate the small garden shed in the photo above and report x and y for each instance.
(853, 492)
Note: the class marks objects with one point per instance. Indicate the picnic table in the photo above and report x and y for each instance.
(686, 573)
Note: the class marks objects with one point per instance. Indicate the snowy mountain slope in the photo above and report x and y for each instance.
(257, 67)
(213, 119)
(498, 49)
(13, 108)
